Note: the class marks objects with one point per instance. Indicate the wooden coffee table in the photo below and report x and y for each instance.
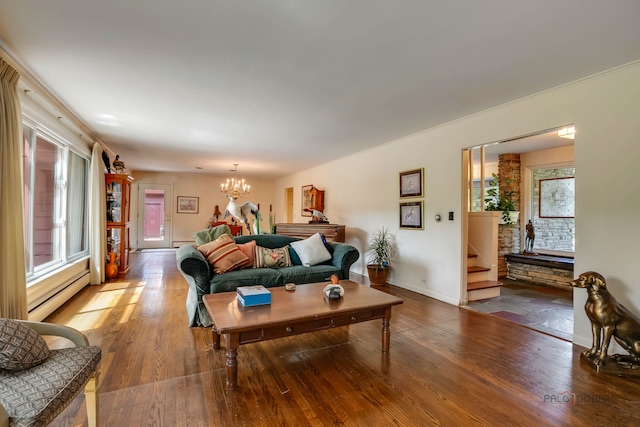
(294, 312)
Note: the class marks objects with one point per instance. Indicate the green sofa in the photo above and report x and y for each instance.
(202, 280)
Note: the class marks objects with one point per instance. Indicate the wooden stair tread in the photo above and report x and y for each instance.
(483, 285)
(472, 255)
(476, 269)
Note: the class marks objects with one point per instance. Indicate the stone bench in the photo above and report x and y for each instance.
(549, 270)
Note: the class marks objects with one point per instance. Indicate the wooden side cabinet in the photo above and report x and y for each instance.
(118, 218)
(332, 232)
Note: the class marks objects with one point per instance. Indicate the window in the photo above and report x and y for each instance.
(55, 208)
(552, 234)
(77, 212)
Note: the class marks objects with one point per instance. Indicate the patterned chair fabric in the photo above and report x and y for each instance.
(34, 397)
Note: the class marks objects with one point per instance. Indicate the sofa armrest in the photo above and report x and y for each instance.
(192, 263)
(343, 257)
(196, 272)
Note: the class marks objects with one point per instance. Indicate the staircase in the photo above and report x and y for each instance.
(482, 256)
(478, 284)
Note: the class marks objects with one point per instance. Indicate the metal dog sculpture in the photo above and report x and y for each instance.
(609, 319)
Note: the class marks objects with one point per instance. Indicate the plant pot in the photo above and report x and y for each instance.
(378, 275)
(512, 217)
(111, 269)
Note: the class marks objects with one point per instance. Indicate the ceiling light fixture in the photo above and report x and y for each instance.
(568, 132)
(235, 187)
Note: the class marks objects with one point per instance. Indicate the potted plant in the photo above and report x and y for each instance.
(495, 201)
(380, 251)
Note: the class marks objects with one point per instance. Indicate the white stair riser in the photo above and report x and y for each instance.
(478, 276)
(479, 294)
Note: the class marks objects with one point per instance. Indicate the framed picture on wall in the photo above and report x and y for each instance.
(411, 215)
(557, 198)
(187, 204)
(412, 183)
(307, 199)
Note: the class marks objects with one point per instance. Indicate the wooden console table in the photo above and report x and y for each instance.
(332, 232)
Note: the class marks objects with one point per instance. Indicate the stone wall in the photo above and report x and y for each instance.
(508, 235)
(554, 277)
(551, 233)
(508, 243)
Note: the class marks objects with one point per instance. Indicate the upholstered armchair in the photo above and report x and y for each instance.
(37, 383)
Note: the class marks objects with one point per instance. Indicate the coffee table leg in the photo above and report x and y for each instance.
(216, 338)
(233, 342)
(386, 332)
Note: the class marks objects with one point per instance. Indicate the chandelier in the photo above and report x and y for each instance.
(235, 187)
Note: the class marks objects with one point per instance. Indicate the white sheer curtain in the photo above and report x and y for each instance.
(77, 204)
(97, 217)
(13, 279)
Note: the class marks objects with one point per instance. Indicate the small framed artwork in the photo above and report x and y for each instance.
(307, 199)
(412, 183)
(187, 204)
(557, 198)
(411, 215)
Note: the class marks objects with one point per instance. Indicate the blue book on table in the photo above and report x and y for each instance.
(253, 295)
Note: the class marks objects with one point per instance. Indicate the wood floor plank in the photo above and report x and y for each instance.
(446, 366)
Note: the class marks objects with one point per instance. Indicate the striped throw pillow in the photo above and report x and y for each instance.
(223, 254)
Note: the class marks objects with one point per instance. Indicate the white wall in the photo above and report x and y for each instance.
(207, 188)
(362, 189)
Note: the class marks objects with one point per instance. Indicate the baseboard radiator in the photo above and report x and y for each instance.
(63, 293)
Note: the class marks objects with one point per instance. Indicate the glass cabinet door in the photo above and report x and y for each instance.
(114, 241)
(114, 202)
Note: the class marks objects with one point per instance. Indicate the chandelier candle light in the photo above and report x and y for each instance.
(235, 187)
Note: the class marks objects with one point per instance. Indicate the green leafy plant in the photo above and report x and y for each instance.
(495, 201)
(380, 249)
(272, 223)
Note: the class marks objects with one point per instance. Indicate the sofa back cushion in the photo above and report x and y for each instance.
(271, 241)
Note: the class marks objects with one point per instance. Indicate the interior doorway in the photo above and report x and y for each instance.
(154, 216)
(542, 151)
(288, 195)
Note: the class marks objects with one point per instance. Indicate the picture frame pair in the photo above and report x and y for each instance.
(412, 212)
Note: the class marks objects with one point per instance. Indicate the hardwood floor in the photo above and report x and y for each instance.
(446, 366)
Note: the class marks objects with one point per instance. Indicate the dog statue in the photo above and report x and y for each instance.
(609, 319)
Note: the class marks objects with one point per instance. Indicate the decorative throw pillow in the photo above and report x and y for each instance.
(249, 250)
(272, 258)
(326, 244)
(210, 234)
(223, 254)
(20, 346)
(311, 251)
(295, 259)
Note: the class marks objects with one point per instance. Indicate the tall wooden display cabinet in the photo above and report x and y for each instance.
(118, 219)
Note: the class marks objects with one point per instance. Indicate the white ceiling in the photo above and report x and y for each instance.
(279, 86)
